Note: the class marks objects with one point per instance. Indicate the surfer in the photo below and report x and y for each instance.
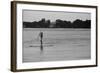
(41, 40)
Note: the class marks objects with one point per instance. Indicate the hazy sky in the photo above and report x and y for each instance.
(32, 15)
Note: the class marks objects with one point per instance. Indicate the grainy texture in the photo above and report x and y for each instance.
(58, 44)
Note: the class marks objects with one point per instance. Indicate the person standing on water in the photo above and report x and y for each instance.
(41, 40)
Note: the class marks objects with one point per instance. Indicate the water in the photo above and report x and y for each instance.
(58, 44)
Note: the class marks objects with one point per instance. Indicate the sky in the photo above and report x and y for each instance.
(36, 15)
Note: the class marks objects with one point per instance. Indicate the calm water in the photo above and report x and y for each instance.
(58, 44)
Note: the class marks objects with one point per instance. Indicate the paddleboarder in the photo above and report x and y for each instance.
(41, 40)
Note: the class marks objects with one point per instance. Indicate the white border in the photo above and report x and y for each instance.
(21, 65)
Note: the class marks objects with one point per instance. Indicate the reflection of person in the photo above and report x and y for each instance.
(41, 40)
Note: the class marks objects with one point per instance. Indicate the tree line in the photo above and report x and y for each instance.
(58, 24)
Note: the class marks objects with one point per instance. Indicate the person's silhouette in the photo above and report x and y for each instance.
(41, 40)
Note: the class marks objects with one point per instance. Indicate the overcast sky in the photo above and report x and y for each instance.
(32, 15)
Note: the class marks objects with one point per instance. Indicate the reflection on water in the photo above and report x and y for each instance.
(62, 44)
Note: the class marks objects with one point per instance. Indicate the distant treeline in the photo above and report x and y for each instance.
(58, 24)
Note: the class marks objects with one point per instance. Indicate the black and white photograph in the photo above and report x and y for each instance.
(56, 36)
(48, 36)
